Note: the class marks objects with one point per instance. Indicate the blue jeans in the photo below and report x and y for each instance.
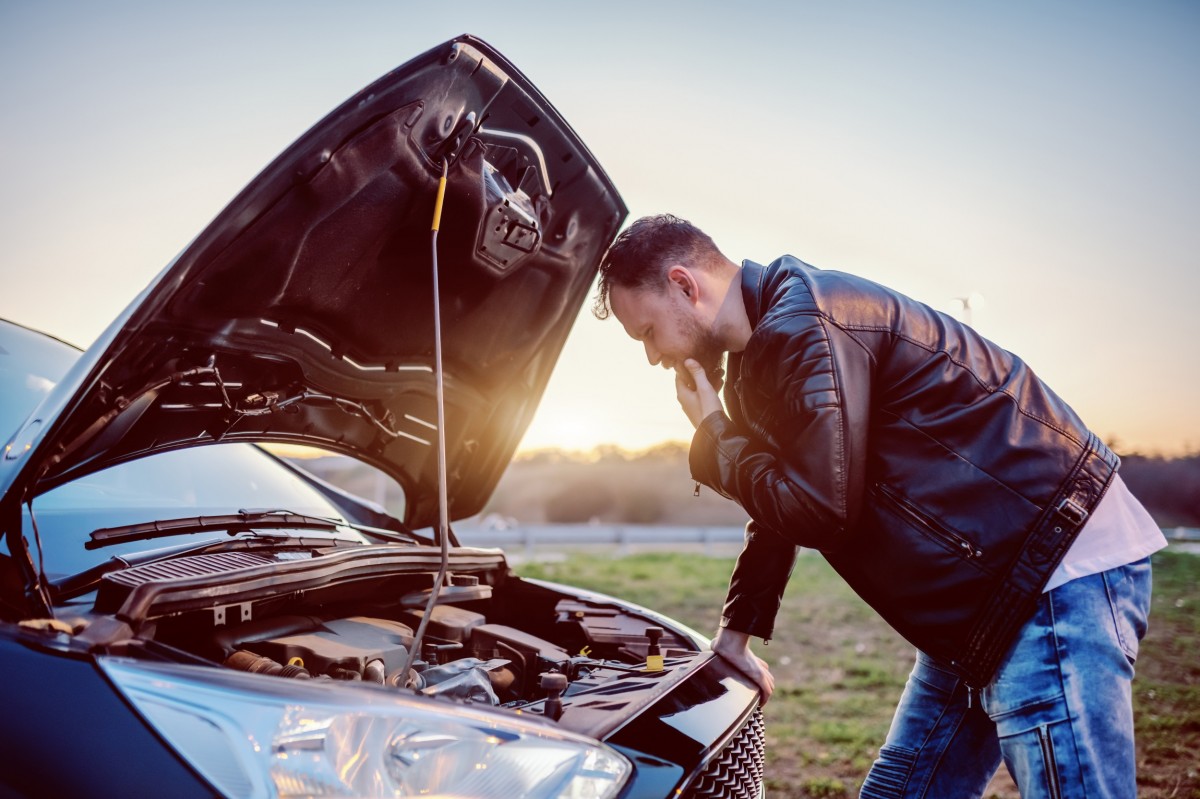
(1058, 712)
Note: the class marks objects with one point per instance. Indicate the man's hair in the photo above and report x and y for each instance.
(641, 255)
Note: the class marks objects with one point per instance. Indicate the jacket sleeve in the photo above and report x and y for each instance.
(756, 587)
(798, 466)
(801, 482)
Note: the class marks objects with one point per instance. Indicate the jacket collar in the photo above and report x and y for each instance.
(752, 279)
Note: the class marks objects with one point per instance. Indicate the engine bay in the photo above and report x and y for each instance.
(492, 637)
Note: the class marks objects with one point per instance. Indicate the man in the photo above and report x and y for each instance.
(949, 486)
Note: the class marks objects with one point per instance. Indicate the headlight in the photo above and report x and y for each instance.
(255, 736)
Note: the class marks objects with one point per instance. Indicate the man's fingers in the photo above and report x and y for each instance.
(767, 682)
(706, 394)
(684, 380)
(703, 384)
(735, 648)
(757, 670)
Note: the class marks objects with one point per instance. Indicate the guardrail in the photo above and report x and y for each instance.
(1191, 534)
(624, 536)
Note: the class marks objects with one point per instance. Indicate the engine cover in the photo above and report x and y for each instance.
(340, 644)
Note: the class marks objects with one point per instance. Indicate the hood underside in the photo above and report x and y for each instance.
(304, 312)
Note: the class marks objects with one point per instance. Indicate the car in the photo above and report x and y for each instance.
(184, 612)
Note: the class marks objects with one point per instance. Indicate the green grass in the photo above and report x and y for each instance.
(839, 669)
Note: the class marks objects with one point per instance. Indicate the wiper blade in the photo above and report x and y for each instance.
(233, 522)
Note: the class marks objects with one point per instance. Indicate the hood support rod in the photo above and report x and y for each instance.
(443, 489)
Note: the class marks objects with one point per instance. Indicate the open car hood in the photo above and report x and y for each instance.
(304, 312)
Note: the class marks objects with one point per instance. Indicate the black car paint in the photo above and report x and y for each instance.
(687, 724)
(54, 692)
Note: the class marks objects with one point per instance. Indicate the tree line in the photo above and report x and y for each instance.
(612, 485)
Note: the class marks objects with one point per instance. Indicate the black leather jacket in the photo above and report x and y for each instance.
(936, 473)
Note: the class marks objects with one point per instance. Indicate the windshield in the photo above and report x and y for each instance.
(200, 481)
(31, 364)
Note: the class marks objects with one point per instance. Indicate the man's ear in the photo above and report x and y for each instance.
(680, 278)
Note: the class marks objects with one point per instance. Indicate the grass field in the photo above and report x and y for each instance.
(839, 669)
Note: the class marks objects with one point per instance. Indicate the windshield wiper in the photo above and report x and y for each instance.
(233, 522)
(243, 520)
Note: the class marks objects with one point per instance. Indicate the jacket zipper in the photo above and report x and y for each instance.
(956, 541)
(1052, 787)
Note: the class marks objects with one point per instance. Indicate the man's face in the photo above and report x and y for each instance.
(670, 329)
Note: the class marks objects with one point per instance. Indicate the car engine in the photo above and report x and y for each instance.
(492, 637)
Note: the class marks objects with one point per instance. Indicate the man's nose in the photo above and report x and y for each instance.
(652, 355)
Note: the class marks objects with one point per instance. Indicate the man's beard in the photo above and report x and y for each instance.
(706, 348)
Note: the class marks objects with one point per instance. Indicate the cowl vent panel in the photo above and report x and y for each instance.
(115, 587)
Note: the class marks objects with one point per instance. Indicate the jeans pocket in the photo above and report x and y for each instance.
(1039, 748)
(1128, 591)
(889, 774)
(1041, 763)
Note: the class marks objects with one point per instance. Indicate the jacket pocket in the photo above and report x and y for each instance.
(928, 526)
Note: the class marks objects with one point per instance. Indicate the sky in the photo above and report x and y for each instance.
(1040, 159)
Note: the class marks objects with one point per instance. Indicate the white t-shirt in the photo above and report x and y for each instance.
(1118, 531)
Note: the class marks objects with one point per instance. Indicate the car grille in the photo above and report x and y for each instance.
(736, 773)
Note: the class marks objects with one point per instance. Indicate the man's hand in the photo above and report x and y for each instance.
(734, 647)
(698, 399)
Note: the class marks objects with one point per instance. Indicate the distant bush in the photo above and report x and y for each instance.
(668, 451)
(1169, 488)
(642, 506)
(579, 501)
